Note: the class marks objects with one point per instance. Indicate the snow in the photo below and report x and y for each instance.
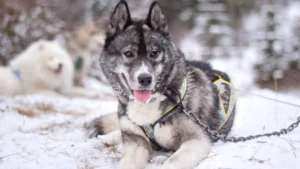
(51, 140)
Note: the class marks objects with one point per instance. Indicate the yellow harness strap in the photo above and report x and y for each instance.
(149, 128)
(224, 115)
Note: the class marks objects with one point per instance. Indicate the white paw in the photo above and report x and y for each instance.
(127, 164)
(160, 159)
(168, 165)
(110, 139)
(106, 140)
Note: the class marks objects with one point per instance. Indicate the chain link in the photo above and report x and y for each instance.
(217, 136)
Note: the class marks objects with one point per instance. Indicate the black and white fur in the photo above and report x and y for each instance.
(134, 47)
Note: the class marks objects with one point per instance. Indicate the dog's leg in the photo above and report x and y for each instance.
(189, 154)
(136, 148)
(134, 156)
(113, 138)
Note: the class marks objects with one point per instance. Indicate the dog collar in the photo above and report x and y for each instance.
(79, 63)
(149, 128)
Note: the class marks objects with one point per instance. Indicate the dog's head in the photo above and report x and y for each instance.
(52, 57)
(138, 56)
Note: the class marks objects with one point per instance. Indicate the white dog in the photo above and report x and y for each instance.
(44, 67)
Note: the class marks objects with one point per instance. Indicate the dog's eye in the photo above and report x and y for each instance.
(154, 54)
(129, 54)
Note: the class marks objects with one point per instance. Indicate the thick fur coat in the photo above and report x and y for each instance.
(143, 65)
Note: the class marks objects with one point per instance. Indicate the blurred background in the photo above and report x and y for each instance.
(256, 41)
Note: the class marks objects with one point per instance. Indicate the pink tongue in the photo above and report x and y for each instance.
(142, 95)
(57, 71)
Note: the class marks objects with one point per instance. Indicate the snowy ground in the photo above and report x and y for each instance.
(57, 141)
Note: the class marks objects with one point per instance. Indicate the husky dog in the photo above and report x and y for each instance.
(148, 74)
(83, 44)
(44, 67)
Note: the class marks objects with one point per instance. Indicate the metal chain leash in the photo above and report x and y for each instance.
(216, 135)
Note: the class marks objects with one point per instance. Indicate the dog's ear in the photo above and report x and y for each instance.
(120, 18)
(156, 19)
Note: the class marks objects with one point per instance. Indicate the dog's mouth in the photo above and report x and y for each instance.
(142, 95)
(58, 70)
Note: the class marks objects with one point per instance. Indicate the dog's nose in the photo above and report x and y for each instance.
(60, 66)
(145, 79)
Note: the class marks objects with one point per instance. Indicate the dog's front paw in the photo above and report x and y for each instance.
(110, 139)
(160, 159)
(127, 164)
(169, 165)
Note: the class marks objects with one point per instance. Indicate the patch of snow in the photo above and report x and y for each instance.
(191, 48)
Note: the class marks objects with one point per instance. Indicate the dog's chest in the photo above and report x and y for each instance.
(147, 113)
(144, 113)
